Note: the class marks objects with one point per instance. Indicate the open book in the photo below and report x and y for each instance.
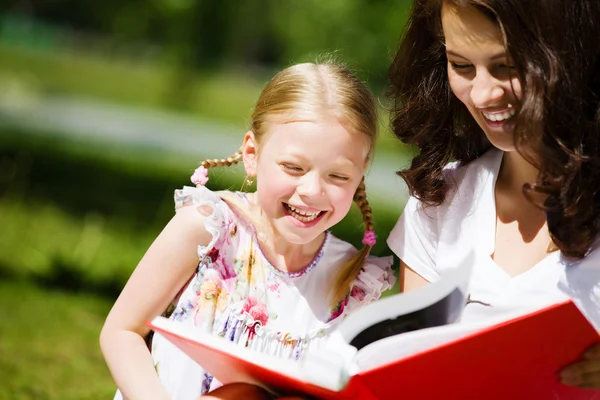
(408, 346)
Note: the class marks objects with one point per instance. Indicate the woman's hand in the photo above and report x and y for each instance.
(584, 373)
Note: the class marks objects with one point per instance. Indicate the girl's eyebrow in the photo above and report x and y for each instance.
(494, 57)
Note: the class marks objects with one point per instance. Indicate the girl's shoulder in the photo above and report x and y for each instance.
(375, 277)
(217, 214)
(198, 196)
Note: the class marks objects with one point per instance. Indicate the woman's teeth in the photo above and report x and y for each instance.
(499, 116)
(301, 215)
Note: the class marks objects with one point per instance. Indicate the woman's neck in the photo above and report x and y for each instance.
(515, 172)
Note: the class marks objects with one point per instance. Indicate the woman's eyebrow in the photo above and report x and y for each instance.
(494, 57)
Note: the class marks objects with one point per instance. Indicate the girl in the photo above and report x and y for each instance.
(510, 90)
(260, 269)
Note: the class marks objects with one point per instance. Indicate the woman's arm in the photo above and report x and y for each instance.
(165, 268)
(409, 279)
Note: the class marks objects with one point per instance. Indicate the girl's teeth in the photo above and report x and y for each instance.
(303, 216)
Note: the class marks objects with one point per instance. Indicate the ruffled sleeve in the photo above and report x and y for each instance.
(220, 221)
(375, 278)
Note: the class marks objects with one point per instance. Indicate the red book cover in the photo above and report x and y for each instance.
(514, 359)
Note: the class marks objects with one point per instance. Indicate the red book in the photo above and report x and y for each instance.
(513, 359)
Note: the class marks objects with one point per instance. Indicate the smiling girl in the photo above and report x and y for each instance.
(260, 269)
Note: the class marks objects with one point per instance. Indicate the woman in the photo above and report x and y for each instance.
(508, 90)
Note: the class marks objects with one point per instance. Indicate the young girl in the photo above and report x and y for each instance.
(260, 269)
(510, 90)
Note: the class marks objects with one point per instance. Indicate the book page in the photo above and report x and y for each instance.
(438, 303)
(401, 346)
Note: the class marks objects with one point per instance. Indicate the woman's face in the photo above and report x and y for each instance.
(480, 73)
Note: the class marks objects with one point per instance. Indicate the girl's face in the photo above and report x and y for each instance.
(307, 173)
(480, 73)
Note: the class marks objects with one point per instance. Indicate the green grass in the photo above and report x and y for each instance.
(49, 344)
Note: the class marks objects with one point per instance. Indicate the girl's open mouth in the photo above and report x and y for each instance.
(301, 215)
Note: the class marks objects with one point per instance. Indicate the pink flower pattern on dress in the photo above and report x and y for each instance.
(256, 309)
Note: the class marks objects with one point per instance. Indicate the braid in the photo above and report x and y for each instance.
(350, 269)
(360, 198)
(223, 162)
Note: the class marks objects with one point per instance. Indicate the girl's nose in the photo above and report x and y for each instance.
(310, 185)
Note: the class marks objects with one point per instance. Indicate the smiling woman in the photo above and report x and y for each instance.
(480, 72)
(509, 90)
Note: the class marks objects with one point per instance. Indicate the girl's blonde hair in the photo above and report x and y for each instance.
(309, 92)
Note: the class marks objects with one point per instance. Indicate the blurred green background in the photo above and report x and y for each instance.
(105, 109)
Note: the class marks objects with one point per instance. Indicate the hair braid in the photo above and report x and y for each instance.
(360, 198)
(349, 271)
(223, 162)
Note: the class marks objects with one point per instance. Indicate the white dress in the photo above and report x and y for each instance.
(236, 293)
(433, 240)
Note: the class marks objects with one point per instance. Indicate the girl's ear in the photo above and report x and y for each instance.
(250, 153)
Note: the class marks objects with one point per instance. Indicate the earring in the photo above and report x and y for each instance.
(249, 181)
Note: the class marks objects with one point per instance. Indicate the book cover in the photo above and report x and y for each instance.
(514, 359)
(410, 345)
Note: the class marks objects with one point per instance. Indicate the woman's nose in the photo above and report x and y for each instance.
(486, 90)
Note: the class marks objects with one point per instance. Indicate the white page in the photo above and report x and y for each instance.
(406, 303)
(407, 344)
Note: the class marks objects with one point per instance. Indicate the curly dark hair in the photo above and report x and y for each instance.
(555, 47)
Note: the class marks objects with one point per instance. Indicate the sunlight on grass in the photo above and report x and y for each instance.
(50, 346)
(93, 248)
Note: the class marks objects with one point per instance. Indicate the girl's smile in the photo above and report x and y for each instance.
(302, 218)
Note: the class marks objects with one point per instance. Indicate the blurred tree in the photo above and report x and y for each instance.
(244, 34)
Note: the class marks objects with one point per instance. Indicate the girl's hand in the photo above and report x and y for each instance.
(584, 373)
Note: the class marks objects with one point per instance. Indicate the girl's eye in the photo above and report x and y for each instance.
(340, 178)
(291, 167)
(460, 67)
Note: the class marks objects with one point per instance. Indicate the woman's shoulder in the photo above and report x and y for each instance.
(468, 186)
(459, 174)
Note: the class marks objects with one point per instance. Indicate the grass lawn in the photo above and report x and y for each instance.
(49, 344)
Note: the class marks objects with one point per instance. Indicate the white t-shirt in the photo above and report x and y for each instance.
(432, 240)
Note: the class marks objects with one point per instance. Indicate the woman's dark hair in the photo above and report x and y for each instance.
(555, 47)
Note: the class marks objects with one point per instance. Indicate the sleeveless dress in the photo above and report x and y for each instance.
(236, 293)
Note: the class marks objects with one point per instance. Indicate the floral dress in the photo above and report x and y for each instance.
(236, 293)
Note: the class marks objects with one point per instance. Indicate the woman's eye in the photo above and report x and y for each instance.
(460, 67)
